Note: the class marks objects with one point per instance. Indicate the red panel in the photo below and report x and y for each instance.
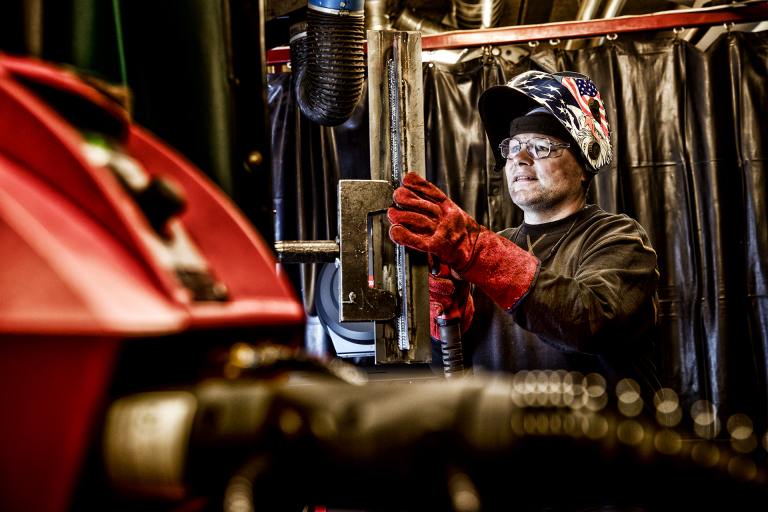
(52, 391)
(35, 135)
(62, 272)
(238, 255)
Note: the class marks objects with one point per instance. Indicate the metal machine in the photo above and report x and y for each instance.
(122, 267)
(378, 281)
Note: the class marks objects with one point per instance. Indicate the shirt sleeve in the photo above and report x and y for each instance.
(598, 294)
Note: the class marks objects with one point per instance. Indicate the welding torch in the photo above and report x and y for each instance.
(450, 328)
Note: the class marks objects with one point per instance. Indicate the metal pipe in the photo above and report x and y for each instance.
(612, 9)
(587, 11)
(477, 14)
(376, 17)
(307, 251)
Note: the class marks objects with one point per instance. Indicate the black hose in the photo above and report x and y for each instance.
(450, 341)
(328, 66)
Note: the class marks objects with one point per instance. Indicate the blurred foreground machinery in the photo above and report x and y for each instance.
(121, 267)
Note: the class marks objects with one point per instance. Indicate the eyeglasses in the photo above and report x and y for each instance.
(538, 147)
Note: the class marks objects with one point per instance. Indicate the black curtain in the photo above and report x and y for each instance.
(689, 165)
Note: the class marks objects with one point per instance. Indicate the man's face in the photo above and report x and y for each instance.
(546, 185)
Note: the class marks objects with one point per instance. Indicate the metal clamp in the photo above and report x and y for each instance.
(358, 198)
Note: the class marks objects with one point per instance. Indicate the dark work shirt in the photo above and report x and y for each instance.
(592, 307)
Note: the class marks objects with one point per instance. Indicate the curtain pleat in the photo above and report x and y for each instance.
(689, 165)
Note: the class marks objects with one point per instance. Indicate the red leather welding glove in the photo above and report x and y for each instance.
(426, 220)
(442, 292)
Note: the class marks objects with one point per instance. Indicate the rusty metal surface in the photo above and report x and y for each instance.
(358, 301)
(307, 251)
(396, 130)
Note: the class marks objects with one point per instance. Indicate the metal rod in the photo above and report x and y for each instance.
(307, 251)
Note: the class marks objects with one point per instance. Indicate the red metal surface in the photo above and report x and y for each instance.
(80, 272)
(53, 390)
(577, 29)
(238, 255)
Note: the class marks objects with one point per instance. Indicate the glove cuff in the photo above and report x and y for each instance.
(504, 271)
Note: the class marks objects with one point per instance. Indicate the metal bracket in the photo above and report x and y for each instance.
(360, 302)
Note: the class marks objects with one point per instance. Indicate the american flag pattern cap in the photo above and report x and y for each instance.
(571, 97)
(575, 101)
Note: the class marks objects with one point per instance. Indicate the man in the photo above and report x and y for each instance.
(573, 287)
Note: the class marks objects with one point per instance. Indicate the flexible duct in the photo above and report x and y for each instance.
(477, 14)
(327, 60)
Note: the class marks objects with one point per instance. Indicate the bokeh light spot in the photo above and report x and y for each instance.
(630, 432)
(668, 442)
(742, 468)
(705, 454)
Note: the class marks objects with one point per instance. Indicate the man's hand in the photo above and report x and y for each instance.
(426, 220)
(443, 290)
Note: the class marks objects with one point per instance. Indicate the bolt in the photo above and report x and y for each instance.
(352, 296)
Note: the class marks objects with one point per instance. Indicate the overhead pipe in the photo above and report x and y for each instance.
(328, 61)
(587, 11)
(477, 14)
(611, 10)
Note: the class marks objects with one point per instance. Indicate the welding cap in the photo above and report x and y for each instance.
(570, 97)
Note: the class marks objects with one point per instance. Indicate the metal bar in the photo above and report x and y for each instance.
(577, 29)
(396, 130)
(307, 251)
